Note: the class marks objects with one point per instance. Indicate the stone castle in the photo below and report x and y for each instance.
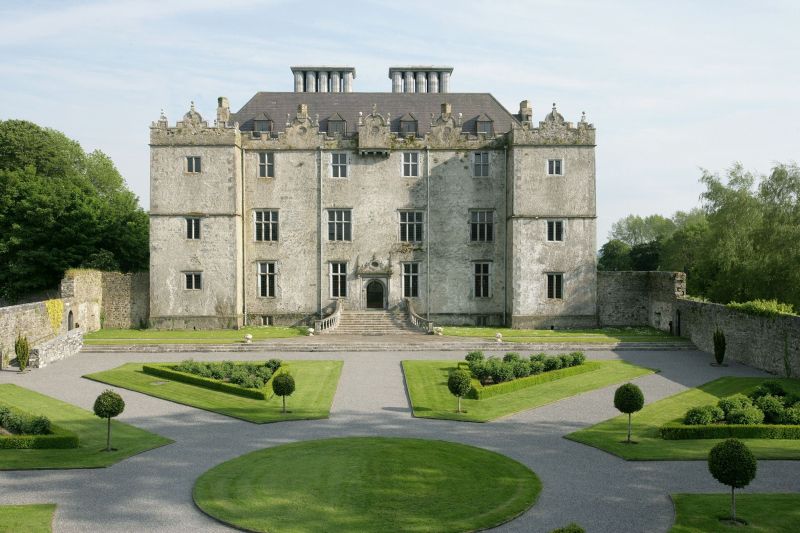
(420, 198)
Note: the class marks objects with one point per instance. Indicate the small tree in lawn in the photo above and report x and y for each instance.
(22, 349)
(629, 399)
(459, 382)
(283, 386)
(108, 405)
(719, 346)
(733, 464)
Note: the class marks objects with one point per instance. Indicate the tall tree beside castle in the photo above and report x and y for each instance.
(61, 208)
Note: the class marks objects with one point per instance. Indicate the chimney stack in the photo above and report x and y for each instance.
(323, 79)
(420, 79)
(525, 111)
(223, 110)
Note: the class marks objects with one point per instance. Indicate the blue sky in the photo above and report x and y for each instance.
(670, 86)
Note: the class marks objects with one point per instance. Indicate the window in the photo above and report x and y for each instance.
(339, 225)
(481, 226)
(339, 165)
(266, 225)
(337, 126)
(555, 284)
(193, 164)
(194, 281)
(480, 164)
(410, 164)
(482, 277)
(410, 280)
(338, 280)
(262, 125)
(266, 165)
(192, 228)
(408, 125)
(554, 167)
(484, 126)
(555, 230)
(266, 279)
(411, 226)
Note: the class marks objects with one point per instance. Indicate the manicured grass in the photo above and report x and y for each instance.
(315, 386)
(609, 435)
(91, 431)
(206, 336)
(430, 398)
(764, 513)
(588, 336)
(367, 484)
(36, 518)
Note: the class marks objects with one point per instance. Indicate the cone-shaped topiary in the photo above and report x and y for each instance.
(733, 464)
(459, 382)
(719, 346)
(23, 351)
(108, 405)
(283, 386)
(628, 399)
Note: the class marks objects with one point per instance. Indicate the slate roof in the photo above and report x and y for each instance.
(348, 105)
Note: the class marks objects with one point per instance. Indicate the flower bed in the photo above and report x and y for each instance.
(25, 431)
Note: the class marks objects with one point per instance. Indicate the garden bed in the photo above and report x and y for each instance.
(20, 430)
(259, 382)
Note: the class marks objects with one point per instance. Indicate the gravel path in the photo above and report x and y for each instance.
(152, 491)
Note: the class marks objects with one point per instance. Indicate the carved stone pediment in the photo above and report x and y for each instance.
(445, 131)
(301, 131)
(192, 121)
(374, 267)
(373, 133)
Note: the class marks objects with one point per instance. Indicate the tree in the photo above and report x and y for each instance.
(109, 405)
(459, 383)
(614, 255)
(22, 350)
(733, 464)
(634, 229)
(283, 386)
(629, 399)
(646, 256)
(719, 346)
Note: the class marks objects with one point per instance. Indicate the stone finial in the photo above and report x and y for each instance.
(360, 118)
(288, 118)
(374, 109)
(583, 116)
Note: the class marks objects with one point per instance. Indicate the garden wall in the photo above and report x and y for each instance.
(638, 298)
(126, 299)
(61, 347)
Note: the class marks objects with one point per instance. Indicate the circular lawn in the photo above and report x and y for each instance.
(367, 484)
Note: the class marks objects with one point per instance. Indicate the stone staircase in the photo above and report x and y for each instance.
(378, 322)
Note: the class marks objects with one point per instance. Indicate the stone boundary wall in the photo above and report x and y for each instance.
(30, 320)
(126, 299)
(638, 298)
(61, 347)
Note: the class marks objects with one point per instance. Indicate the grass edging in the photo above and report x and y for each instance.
(724, 431)
(699, 513)
(481, 392)
(167, 371)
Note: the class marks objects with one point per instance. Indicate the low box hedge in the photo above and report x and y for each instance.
(58, 438)
(167, 371)
(676, 431)
(481, 392)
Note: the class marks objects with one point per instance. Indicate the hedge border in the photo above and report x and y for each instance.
(723, 431)
(479, 392)
(167, 371)
(58, 438)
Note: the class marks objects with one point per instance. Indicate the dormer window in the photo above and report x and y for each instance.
(408, 125)
(484, 125)
(337, 124)
(262, 124)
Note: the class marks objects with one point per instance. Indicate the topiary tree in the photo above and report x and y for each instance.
(459, 383)
(283, 386)
(733, 464)
(719, 346)
(108, 405)
(629, 399)
(23, 350)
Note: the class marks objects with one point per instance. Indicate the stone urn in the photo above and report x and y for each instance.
(498, 337)
(248, 338)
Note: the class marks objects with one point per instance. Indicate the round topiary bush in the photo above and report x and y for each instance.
(39, 425)
(566, 360)
(521, 369)
(578, 358)
(511, 357)
(502, 372)
(474, 356)
(552, 363)
(283, 386)
(108, 405)
(459, 383)
(771, 388)
(772, 407)
(733, 464)
(700, 416)
(273, 364)
(537, 367)
(541, 357)
(747, 416)
(791, 415)
(737, 401)
(628, 399)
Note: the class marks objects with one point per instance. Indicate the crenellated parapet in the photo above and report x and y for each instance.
(554, 130)
(193, 131)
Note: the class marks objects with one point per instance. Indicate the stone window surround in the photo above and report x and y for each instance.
(474, 224)
(555, 233)
(264, 273)
(415, 226)
(482, 277)
(266, 164)
(409, 166)
(337, 270)
(192, 164)
(193, 228)
(345, 220)
(269, 224)
(561, 164)
(337, 168)
(480, 168)
(413, 275)
(554, 286)
(192, 280)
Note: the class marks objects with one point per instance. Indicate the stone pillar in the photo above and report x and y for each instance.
(447, 109)
(311, 81)
(445, 85)
(348, 82)
(420, 82)
(335, 81)
(397, 82)
(433, 82)
(298, 82)
(323, 82)
(223, 111)
(525, 111)
(409, 79)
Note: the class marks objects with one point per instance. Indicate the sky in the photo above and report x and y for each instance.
(672, 87)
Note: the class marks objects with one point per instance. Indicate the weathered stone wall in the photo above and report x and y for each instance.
(29, 320)
(126, 299)
(638, 298)
(61, 347)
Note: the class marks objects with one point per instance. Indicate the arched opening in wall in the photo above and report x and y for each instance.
(375, 295)
(70, 322)
(678, 322)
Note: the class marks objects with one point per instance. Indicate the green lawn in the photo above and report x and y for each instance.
(764, 513)
(315, 386)
(207, 336)
(36, 518)
(430, 398)
(589, 336)
(91, 431)
(609, 435)
(367, 484)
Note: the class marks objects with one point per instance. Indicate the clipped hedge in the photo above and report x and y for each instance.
(167, 371)
(57, 438)
(724, 431)
(481, 392)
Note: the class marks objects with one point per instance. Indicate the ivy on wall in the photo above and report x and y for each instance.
(55, 311)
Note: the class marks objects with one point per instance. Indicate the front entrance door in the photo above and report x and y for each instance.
(375, 295)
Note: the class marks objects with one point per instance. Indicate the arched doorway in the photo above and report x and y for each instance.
(678, 322)
(70, 322)
(375, 295)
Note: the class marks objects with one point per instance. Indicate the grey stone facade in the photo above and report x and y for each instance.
(303, 135)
